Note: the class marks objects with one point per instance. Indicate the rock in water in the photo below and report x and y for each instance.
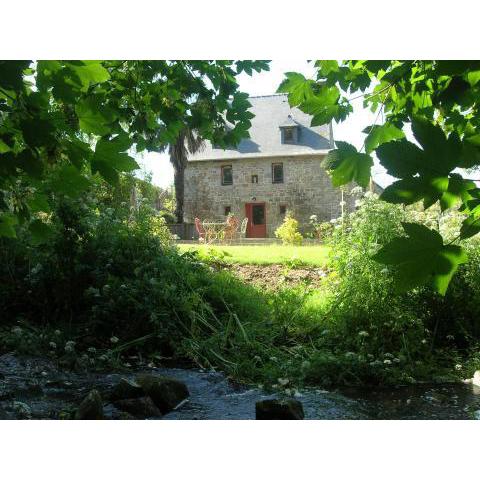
(476, 378)
(166, 393)
(289, 409)
(126, 389)
(91, 407)
(142, 407)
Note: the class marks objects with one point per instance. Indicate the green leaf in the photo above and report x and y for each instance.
(470, 227)
(29, 163)
(38, 132)
(38, 203)
(93, 116)
(110, 158)
(40, 232)
(11, 73)
(89, 72)
(381, 134)
(69, 181)
(440, 155)
(400, 159)
(412, 190)
(297, 86)
(7, 225)
(458, 190)
(346, 165)
(420, 258)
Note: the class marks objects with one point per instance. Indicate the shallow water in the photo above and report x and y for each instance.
(44, 391)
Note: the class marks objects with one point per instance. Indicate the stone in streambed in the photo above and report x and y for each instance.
(166, 393)
(142, 407)
(126, 389)
(289, 409)
(91, 407)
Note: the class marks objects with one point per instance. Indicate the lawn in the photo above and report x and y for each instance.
(314, 255)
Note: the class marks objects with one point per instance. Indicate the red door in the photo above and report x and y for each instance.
(257, 225)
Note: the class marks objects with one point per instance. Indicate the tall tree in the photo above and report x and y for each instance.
(440, 101)
(187, 143)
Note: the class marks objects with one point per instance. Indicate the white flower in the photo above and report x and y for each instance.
(358, 203)
(342, 203)
(257, 358)
(387, 362)
(363, 333)
(92, 350)
(52, 345)
(70, 346)
(458, 366)
(424, 341)
(313, 217)
(114, 339)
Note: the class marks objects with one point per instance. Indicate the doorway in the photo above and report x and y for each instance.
(257, 224)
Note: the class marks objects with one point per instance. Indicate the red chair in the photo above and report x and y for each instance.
(200, 230)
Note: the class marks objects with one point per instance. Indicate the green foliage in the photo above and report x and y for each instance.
(288, 231)
(438, 99)
(348, 165)
(420, 257)
(61, 122)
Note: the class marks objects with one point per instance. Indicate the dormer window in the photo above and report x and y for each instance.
(289, 130)
(288, 135)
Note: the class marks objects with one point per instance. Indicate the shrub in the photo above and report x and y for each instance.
(288, 231)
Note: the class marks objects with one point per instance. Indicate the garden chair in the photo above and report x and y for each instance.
(231, 228)
(200, 230)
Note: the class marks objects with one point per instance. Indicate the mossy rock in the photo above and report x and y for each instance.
(142, 407)
(126, 389)
(91, 407)
(275, 409)
(166, 393)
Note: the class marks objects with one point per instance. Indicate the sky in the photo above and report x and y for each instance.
(266, 83)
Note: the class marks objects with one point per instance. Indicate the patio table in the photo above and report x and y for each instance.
(214, 231)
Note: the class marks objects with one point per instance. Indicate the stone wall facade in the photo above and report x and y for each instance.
(306, 190)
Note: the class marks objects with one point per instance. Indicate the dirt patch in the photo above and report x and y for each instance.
(277, 276)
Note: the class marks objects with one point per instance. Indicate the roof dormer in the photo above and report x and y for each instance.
(289, 130)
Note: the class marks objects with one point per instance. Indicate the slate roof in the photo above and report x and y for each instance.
(272, 112)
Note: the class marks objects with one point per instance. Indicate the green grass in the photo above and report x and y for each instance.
(316, 255)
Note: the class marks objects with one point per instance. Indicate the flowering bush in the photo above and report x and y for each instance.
(322, 230)
(288, 231)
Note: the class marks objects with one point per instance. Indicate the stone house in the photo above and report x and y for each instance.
(277, 169)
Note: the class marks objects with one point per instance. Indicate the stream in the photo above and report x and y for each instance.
(35, 388)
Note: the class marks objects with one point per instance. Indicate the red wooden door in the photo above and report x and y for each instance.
(257, 224)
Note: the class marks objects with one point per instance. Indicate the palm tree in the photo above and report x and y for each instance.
(187, 143)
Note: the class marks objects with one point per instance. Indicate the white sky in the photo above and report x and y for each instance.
(266, 83)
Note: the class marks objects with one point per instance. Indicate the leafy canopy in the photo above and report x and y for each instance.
(62, 122)
(439, 101)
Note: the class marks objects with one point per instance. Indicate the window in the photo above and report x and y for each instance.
(227, 177)
(258, 214)
(254, 178)
(283, 209)
(228, 210)
(277, 172)
(288, 136)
